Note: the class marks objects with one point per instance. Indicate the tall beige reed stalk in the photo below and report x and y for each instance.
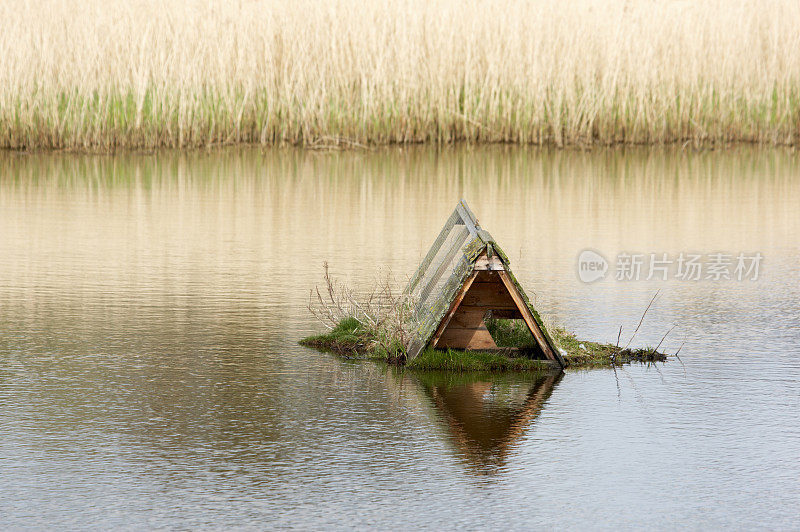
(108, 74)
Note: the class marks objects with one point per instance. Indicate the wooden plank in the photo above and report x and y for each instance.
(529, 320)
(468, 217)
(453, 307)
(507, 314)
(455, 247)
(493, 295)
(486, 276)
(468, 211)
(434, 249)
(467, 318)
(478, 338)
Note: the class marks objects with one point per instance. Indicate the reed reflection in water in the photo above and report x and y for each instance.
(150, 308)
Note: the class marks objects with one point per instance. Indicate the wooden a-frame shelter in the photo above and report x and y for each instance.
(464, 277)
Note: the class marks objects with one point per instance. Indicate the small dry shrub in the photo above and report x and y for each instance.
(384, 312)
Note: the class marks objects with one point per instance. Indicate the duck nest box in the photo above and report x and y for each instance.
(463, 280)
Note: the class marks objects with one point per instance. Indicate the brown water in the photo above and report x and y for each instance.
(150, 308)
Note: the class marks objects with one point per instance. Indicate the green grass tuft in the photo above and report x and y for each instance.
(510, 333)
(349, 338)
(577, 353)
(461, 361)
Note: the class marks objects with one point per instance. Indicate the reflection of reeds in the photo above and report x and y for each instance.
(108, 74)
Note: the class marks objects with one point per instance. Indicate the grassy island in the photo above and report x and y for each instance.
(352, 339)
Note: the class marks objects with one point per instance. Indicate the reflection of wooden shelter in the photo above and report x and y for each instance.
(486, 419)
(464, 276)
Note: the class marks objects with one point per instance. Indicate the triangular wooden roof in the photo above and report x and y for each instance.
(462, 253)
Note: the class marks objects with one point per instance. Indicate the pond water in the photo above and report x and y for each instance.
(150, 308)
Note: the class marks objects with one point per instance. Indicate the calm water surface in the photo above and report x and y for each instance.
(150, 308)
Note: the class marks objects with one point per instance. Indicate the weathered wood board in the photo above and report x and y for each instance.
(487, 291)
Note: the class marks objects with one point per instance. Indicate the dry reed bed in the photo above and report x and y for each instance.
(105, 74)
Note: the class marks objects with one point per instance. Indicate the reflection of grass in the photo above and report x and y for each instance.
(99, 75)
(508, 380)
(352, 339)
